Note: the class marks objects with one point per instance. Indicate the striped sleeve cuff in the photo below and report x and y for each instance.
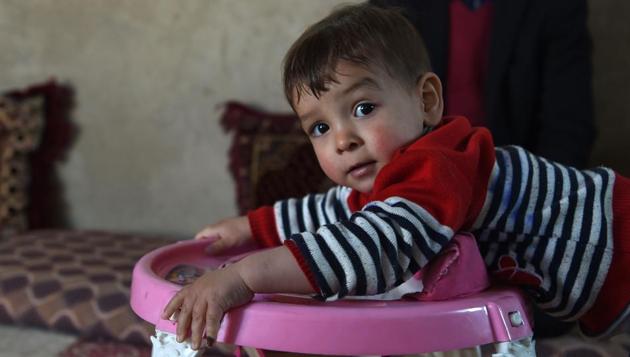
(302, 263)
(262, 222)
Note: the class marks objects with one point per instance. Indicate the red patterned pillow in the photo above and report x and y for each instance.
(270, 157)
(21, 126)
(46, 207)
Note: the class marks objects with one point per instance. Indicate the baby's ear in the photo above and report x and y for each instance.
(429, 88)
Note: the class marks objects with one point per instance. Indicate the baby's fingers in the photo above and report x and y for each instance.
(217, 247)
(214, 315)
(183, 322)
(207, 233)
(196, 328)
(172, 306)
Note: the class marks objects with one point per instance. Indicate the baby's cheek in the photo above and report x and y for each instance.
(385, 142)
(329, 168)
(386, 139)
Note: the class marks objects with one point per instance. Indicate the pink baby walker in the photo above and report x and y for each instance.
(296, 324)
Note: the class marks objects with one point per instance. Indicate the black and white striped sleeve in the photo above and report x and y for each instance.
(374, 250)
(307, 214)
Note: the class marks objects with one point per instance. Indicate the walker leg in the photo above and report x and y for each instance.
(522, 348)
(165, 345)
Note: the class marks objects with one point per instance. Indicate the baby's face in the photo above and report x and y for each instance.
(357, 125)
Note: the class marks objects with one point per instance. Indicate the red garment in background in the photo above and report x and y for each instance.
(469, 42)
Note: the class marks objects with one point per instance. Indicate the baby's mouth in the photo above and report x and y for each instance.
(361, 169)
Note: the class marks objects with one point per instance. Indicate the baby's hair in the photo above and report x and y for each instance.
(363, 34)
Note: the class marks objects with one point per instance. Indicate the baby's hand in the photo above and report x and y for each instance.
(229, 233)
(203, 303)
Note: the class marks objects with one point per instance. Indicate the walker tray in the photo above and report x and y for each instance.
(345, 327)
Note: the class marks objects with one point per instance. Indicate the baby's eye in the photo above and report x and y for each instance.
(363, 109)
(319, 129)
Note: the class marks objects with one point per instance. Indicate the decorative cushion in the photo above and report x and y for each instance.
(46, 206)
(73, 281)
(270, 157)
(21, 125)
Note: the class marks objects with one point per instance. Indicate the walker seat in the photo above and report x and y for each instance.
(346, 327)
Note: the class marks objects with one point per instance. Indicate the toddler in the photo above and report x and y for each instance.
(408, 180)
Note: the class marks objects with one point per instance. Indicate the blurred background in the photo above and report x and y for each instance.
(150, 78)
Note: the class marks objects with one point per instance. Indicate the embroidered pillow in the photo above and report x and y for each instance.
(46, 206)
(270, 157)
(21, 125)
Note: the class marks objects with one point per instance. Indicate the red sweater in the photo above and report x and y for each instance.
(539, 224)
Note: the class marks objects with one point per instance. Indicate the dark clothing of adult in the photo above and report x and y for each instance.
(538, 90)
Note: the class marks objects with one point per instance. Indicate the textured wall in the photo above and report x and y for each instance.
(149, 75)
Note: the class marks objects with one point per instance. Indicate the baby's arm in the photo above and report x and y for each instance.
(202, 304)
(230, 234)
(274, 270)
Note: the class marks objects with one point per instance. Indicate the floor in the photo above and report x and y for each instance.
(20, 342)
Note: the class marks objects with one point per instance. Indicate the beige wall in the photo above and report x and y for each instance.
(149, 75)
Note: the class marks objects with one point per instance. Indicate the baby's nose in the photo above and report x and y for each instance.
(347, 141)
